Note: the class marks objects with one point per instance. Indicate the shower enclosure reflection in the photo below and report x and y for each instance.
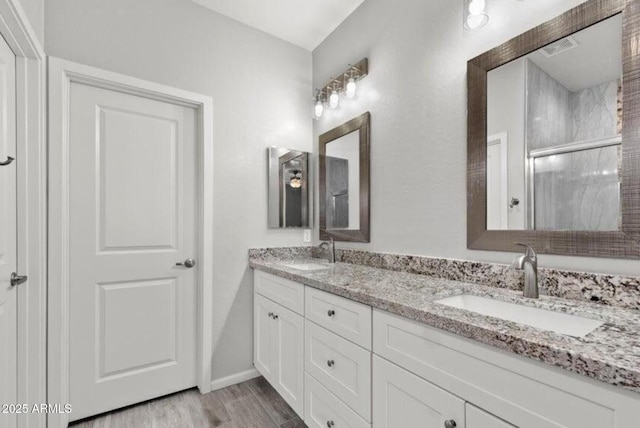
(288, 188)
(554, 122)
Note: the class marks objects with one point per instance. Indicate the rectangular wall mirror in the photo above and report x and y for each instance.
(288, 188)
(344, 181)
(552, 144)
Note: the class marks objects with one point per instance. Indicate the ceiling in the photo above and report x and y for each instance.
(305, 23)
(596, 60)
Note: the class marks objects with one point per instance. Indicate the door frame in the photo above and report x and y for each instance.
(61, 74)
(31, 183)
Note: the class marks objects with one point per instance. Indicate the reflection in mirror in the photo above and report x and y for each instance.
(288, 188)
(554, 121)
(343, 182)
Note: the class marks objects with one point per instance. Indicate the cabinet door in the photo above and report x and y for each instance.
(289, 354)
(403, 400)
(263, 343)
(477, 418)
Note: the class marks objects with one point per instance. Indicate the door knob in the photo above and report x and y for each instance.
(7, 162)
(17, 279)
(450, 424)
(189, 263)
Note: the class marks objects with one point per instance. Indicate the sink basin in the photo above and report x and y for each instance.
(307, 266)
(571, 325)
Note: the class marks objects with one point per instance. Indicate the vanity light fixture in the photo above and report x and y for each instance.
(346, 85)
(296, 180)
(475, 14)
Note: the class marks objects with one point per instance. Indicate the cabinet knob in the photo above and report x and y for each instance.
(330, 424)
(450, 424)
(275, 316)
(270, 314)
(331, 363)
(331, 312)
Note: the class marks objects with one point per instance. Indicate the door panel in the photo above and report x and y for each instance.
(289, 342)
(132, 184)
(263, 338)
(403, 400)
(8, 238)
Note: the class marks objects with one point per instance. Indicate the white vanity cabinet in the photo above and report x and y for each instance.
(354, 367)
(279, 349)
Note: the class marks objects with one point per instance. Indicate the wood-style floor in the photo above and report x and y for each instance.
(252, 404)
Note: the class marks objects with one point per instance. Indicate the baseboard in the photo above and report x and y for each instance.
(234, 379)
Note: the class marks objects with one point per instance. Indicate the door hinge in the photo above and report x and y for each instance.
(18, 279)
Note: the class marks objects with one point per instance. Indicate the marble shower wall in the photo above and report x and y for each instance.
(549, 119)
(595, 112)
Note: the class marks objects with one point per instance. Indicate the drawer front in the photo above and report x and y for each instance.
(351, 320)
(323, 409)
(341, 366)
(287, 293)
(525, 393)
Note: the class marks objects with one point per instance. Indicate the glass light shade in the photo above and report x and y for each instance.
(318, 109)
(477, 7)
(334, 99)
(295, 182)
(477, 21)
(352, 87)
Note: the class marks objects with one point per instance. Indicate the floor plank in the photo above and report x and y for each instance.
(252, 404)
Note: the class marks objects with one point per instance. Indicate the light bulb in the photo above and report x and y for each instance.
(295, 183)
(476, 7)
(334, 99)
(318, 110)
(477, 21)
(351, 88)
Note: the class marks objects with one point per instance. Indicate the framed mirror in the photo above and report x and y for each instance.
(553, 140)
(344, 181)
(288, 188)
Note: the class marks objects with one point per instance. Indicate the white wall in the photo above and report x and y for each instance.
(34, 11)
(416, 92)
(261, 89)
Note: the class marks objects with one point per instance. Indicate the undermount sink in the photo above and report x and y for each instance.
(571, 325)
(307, 266)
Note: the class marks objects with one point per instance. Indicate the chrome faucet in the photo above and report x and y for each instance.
(529, 263)
(331, 247)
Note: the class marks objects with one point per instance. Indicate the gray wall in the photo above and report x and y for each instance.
(416, 92)
(261, 89)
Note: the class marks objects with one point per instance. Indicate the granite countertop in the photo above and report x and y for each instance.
(610, 354)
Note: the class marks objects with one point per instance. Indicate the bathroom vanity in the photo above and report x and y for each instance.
(355, 346)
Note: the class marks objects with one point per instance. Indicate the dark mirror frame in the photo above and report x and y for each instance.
(624, 243)
(362, 124)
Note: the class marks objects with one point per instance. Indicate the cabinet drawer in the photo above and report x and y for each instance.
(526, 393)
(344, 317)
(341, 366)
(323, 409)
(287, 293)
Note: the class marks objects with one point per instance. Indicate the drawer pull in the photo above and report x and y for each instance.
(330, 424)
(331, 312)
(450, 424)
(331, 363)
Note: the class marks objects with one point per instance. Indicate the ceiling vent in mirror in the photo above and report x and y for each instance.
(559, 47)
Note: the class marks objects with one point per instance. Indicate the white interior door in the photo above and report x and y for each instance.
(497, 183)
(8, 238)
(132, 196)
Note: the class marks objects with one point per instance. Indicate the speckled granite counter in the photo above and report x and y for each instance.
(610, 354)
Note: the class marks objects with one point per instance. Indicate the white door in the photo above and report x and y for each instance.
(132, 189)
(403, 400)
(497, 182)
(8, 242)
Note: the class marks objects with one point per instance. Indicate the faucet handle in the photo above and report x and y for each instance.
(529, 250)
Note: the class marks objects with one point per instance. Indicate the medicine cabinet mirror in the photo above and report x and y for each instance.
(288, 188)
(553, 142)
(344, 181)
